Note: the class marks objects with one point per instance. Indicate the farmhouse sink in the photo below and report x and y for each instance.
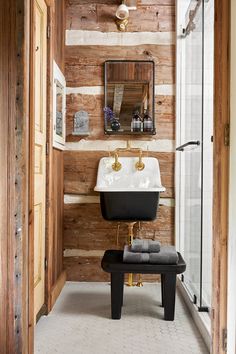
(129, 194)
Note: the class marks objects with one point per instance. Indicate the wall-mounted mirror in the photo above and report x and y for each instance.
(129, 97)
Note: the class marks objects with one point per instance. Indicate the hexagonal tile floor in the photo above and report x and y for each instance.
(80, 324)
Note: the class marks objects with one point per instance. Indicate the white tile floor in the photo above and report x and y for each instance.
(80, 324)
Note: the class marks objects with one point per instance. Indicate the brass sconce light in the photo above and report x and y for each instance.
(122, 17)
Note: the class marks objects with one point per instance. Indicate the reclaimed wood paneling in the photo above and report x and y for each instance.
(91, 75)
(4, 128)
(93, 104)
(84, 228)
(80, 170)
(55, 170)
(94, 233)
(59, 33)
(89, 269)
(58, 211)
(14, 84)
(163, 55)
(84, 269)
(100, 17)
(221, 176)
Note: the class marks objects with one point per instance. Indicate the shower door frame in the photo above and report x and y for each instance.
(220, 173)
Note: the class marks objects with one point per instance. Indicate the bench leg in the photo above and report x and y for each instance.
(169, 296)
(117, 287)
(162, 289)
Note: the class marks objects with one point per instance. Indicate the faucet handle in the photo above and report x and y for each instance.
(140, 165)
(116, 166)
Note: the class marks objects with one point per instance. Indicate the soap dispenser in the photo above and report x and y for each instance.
(136, 122)
(147, 123)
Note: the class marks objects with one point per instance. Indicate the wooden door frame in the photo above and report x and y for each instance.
(49, 202)
(221, 175)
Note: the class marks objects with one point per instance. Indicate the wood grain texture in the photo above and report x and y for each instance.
(97, 234)
(57, 287)
(93, 75)
(221, 175)
(80, 170)
(59, 33)
(85, 68)
(89, 269)
(4, 128)
(55, 170)
(58, 210)
(100, 17)
(14, 84)
(163, 55)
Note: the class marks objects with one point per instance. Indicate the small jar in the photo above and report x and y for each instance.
(147, 123)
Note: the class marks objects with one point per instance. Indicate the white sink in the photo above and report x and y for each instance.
(129, 194)
(129, 179)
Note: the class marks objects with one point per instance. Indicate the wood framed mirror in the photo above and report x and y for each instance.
(129, 97)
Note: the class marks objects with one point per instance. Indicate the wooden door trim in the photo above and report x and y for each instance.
(49, 160)
(14, 333)
(221, 174)
(31, 182)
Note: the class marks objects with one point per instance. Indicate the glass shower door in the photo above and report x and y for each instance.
(196, 152)
(191, 151)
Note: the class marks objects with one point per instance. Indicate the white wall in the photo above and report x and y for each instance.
(232, 195)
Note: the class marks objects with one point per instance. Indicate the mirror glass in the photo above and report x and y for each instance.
(129, 97)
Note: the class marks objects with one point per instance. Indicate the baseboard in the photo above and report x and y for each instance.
(201, 319)
(57, 288)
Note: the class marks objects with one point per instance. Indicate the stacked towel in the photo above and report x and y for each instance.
(166, 255)
(147, 246)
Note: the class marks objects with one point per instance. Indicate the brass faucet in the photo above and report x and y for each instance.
(116, 166)
(140, 165)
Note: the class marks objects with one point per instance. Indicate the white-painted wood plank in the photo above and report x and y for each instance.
(82, 253)
(84, 199)
(104, 145)
(80, 199)
(165, 90)
(80, 37)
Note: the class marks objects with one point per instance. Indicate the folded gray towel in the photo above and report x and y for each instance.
(167, 255)
(147, 246)
(132, 257)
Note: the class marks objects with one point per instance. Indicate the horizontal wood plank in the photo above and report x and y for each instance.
(85, 269)
(93, 75)
(80, 170)
(89, 269)
(88, 55)
(100, 17)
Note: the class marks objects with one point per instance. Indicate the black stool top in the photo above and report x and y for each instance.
(112, 261)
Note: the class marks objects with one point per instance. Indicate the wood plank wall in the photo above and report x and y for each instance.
(14, 83)
(55, 170)
(91, 39)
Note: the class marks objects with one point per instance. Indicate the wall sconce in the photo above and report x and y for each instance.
(122, 17)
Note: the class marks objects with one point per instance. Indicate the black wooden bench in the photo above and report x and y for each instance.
(112, 262)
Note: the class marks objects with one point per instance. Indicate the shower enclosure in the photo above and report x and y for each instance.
(194, 148)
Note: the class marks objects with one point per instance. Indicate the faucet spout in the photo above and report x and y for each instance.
(140, 164)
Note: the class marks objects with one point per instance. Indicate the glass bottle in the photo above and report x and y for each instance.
(147, 123)
(136, 122)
